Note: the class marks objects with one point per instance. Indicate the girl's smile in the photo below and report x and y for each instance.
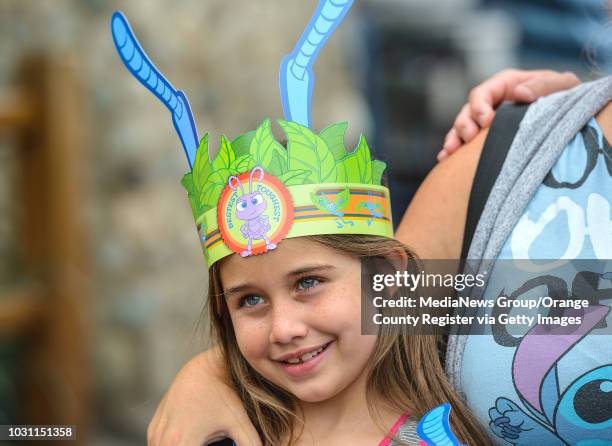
(296, 313)
(304, 362)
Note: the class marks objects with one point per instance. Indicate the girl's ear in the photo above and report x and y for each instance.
(397, 261)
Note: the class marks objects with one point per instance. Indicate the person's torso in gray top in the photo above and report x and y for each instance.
(551, 200)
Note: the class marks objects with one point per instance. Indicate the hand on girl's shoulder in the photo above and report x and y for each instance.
(434, 222)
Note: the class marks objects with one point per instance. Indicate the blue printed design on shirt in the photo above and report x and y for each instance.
(529, 388)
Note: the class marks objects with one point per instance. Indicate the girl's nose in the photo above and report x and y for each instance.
(287, 324)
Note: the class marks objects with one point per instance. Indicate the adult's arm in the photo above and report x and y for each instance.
(200, 408)
(434, 223)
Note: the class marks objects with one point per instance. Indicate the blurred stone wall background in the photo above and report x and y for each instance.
(149, 276)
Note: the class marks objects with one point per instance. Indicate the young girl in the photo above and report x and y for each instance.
(289, 327)
(285, 273)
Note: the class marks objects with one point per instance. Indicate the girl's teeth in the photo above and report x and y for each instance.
(306, 357)
(311, 355)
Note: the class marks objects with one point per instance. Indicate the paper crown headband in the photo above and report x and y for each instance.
(255, 193)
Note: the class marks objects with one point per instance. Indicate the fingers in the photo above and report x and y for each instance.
(487, 96)
(464, 129)
(479, 111)
(517, 86)
(484, 98)
(451, 143)
(465, 126)
(551, 82)
(507, 85)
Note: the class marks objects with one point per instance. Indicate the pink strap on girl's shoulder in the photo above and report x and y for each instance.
(387, 440)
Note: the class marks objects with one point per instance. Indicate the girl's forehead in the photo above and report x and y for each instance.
(290, 255)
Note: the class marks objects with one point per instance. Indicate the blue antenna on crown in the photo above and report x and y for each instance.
(296, 76)
(137, 62)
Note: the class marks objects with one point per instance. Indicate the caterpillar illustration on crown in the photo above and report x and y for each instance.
(250, 208)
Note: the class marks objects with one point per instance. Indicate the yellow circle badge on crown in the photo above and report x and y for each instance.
(255, 212)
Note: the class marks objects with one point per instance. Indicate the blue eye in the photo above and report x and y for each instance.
(257, 199)
(242, 205)
(251, 301)
(307, 283)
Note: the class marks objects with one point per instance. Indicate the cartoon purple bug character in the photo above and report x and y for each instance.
(250, 208)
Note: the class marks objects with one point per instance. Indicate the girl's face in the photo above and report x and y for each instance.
(296, 315)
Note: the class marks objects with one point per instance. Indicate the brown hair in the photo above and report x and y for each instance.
(405, 371)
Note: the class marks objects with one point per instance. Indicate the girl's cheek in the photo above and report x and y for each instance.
(338, 316)
(343, 303)
(251, 337)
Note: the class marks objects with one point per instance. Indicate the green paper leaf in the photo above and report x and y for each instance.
(220, 176)
(242, 143)
(211, 193)
(187, 182)
(201, 166)
(213, 188)
(242, 164)
(206, 208)
(225, 157)
(356, 167)
(342, 199)
(308, 151)
(193, 203)
(341, 172)
(266, 151)
(333, 135)
(278, 164)
(294, 177)
(364, 161)
(378, 167)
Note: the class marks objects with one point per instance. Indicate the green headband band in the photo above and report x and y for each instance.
(254, 193)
